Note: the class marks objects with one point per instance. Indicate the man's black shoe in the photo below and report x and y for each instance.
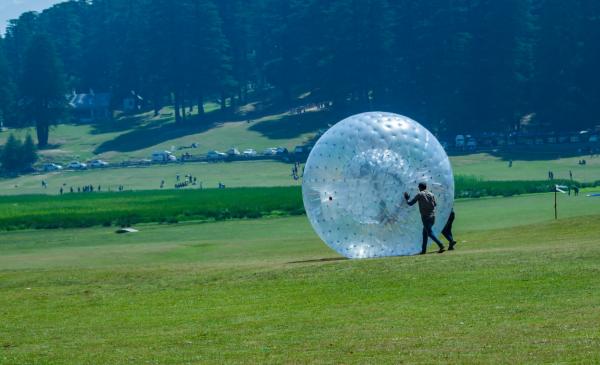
(441, 250)
(451, 246)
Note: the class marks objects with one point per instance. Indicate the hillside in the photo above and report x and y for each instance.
(136, 137)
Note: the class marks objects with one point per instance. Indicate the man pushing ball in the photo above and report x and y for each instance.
(427, 206)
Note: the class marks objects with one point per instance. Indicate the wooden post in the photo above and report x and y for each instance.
(555, 207)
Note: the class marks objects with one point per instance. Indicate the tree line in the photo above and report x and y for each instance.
(455, 65)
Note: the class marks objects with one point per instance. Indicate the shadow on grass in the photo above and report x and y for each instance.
(50, 146)
(290, 126)
(159, 131)
(124, 123)
(319, 260)
(144, 133)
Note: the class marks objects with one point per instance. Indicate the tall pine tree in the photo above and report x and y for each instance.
(42, 87)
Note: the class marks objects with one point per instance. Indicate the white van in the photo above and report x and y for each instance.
(459, 141)
(163, 156)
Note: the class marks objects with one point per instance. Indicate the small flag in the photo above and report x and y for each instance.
(560, 187)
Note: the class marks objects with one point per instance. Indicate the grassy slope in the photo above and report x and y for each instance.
(231, 292)
(139, 136)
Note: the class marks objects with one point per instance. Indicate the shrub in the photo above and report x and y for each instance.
(17, 156)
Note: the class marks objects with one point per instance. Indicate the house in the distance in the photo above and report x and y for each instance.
(133, 102)
(91, 107)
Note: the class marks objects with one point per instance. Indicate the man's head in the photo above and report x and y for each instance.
(422, 186)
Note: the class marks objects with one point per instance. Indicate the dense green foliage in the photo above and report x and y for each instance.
(456, 66)
(16, 156)
(7, 89)
(85, 210)
(472, 187)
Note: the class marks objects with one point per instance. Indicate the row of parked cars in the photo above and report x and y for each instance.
(247, 153)
(75, 165)
(167, 156)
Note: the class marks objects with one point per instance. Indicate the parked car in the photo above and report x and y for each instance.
(98, 164)
(76, 165)
(249, 152)
(271, 151)
(281, 151)
(233, 152)
(163, 156)
(300, 150)
(471, 143)
(51, 167)
(216, 155)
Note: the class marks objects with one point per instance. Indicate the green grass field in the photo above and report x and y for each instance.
(521, 288)
(238, 174)
(491, 167)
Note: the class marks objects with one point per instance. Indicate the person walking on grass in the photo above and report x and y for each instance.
(427, 205)
(447, 231)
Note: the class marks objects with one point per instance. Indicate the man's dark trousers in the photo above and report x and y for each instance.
(447, 231)
(428, 223)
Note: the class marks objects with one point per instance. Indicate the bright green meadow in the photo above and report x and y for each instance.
(520, 288)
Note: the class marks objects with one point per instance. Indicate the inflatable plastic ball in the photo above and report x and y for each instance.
(355, 177)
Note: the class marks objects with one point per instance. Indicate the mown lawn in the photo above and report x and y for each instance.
(237, 174)
(521, 288)
(489, 167)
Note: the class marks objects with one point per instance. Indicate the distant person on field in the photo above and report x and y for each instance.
(576, 190)
(427, 205)
(447, 231)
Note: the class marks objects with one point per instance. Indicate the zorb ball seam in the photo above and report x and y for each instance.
(355, 177)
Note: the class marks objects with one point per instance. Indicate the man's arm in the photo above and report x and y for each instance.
(413, 201)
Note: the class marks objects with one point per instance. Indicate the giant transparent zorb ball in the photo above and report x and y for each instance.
(355, 178)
